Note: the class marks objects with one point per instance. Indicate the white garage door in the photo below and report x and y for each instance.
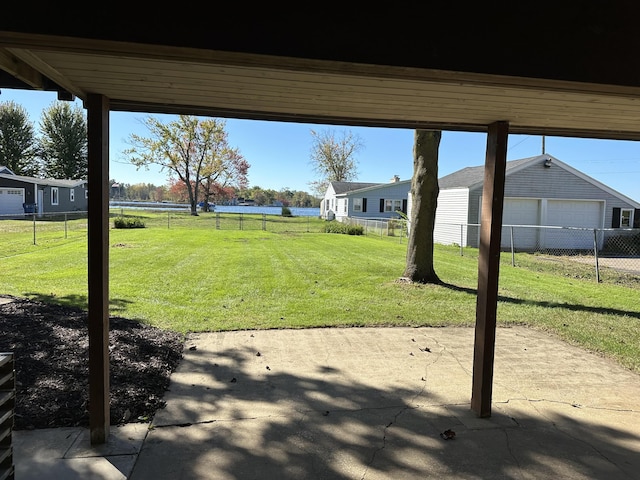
(520, 211)
(11, 200)
(572, 213)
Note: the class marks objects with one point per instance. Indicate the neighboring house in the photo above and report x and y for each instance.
(20, 194)
(365, 200)
(539, 190)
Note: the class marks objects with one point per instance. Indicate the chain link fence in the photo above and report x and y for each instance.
(381, 227)
(40, 228)
(616, 248)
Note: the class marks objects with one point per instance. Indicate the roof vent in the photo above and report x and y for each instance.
(547, 163)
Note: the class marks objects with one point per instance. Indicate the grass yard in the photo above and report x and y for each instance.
(199, 278)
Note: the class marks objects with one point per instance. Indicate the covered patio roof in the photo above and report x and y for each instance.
(531, 69)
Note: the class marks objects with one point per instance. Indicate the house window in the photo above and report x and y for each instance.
(326, 205)
(72, 195)
(626, 218)
(392, 205)
(344, 209)
(54, 195)
(86, 194)
(357, 204)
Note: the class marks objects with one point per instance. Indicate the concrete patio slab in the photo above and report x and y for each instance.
(363, 404)
(375, 403)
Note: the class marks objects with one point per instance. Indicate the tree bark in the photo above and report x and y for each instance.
(424, 193)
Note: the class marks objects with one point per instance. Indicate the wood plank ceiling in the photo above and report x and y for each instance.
(169, 79)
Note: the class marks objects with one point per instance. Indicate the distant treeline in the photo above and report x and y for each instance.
(174, 193)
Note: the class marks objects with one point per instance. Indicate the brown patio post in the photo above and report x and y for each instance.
(98, 266)
(488, 267)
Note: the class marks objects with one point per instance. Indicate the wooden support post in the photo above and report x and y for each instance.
(488, 268)
(98, 266)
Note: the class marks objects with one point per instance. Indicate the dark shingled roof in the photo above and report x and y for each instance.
(472, 175)
(345, 187)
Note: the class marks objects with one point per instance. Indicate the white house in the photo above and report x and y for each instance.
(365, 200)
(539, 191)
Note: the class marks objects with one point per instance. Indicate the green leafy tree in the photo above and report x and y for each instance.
(424, 192)
(17, 140)
(192, 151)
(62, 145)
(333, 158)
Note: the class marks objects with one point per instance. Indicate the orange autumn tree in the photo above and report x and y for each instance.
(195, 153)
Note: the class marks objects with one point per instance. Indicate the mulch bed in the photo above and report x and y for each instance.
(50, 344)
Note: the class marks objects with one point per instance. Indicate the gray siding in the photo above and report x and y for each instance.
(536, 181)
(392, 191)
(64, 202)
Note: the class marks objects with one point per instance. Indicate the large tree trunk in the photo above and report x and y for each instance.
(424, 192)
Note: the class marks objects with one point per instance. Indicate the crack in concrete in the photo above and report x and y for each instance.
(572, 404)
(443, 349)
(184, 424)
(593, 447)
(560, 429)
(384, 433)
(511, 452)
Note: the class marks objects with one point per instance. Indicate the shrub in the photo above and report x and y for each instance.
(123, 222)
(334, 226)
(286, 212)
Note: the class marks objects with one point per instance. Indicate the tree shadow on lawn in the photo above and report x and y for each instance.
(75, 301)
(232, 418)
(568, 306)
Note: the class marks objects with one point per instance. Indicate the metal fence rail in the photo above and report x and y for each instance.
(612, 248)
(48, 227)
(617, 248)
(382, 227)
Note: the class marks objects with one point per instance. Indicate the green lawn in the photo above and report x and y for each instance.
(200, 278)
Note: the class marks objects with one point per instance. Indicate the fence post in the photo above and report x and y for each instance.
(513, 258)
(34, 228)
(595, 253)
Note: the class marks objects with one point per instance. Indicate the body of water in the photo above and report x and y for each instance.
(295, 211)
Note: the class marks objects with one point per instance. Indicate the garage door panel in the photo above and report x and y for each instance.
(520, 211)
(11, 200)
(572, 213)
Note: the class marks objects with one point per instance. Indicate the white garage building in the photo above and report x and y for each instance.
(539, 191)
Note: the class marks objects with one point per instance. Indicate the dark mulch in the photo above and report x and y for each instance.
(50, 344)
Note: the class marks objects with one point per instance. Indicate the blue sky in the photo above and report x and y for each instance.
(279, 153)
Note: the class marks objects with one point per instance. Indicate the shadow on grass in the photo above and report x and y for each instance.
(568, 306)
(76, 301)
